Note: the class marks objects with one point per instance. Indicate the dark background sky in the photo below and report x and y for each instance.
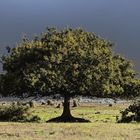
(115, 20)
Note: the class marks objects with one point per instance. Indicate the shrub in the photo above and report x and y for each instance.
(17, 113)
(49, 102)
(132, 113)
(32, 103)
(75, 103)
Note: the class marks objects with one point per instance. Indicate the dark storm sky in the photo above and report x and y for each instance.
(115, 20)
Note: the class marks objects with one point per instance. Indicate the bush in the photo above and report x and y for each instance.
(17, 113)
(132, 113)
(75, 103)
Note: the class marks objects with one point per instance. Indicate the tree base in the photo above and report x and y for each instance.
(68, 119)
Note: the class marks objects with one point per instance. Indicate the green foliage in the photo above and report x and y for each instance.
(132, 113)
(70, 61)
(17, 113)
(132, 88)
(122, 78)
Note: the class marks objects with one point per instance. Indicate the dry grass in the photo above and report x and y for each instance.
(102, 126)
(69, 131)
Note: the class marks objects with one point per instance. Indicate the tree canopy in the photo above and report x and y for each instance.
(70, 61)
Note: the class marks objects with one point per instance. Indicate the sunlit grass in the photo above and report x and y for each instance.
(95, 113)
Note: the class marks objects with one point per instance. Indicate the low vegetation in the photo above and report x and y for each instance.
(93, 112)
(102, 126)
(132, 113)
(17, 113)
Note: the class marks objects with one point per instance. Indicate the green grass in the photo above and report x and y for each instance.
(103, 125)
(94, 113)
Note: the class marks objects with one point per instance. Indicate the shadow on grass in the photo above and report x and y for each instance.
(68, 120)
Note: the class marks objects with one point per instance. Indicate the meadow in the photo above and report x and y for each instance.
(103, 125)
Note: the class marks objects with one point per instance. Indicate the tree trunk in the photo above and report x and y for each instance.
(66, 107)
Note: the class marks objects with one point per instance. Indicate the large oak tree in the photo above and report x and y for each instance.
(68, 62)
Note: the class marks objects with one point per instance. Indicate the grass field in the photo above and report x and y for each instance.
(103, 125)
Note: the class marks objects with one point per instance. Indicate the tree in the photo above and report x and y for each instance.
(69, 62)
